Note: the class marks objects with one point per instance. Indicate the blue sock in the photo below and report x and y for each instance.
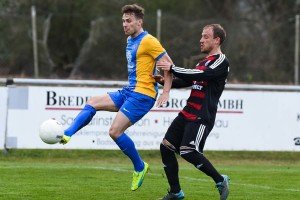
(82, 119)
(127, 146)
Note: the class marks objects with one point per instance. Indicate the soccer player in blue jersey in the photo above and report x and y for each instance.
(135, 100)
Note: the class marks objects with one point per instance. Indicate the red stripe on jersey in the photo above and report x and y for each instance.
(202, 67)
(211, 57)
(188, 115)
(197, 93)
(194, 105)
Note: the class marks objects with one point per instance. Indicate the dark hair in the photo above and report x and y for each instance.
(218, 31)
(134, 8)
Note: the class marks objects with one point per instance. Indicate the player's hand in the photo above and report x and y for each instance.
(163, 98)
(164, 65)
(158, 78)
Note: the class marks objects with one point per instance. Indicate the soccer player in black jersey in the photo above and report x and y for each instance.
(189, 130)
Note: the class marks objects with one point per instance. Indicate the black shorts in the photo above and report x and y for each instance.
(184, 134)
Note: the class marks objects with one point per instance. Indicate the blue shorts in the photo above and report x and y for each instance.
(134, 105)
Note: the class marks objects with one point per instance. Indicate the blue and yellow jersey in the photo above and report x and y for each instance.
(142, 52)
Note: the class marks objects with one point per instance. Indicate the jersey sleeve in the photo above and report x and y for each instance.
(219, 68)
(179, 83)
(153, 47)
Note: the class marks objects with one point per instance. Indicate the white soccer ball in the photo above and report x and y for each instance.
(51, 131)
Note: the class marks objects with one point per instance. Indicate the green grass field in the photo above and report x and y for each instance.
(80, 175)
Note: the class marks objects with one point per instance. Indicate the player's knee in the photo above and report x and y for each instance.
(185, 155)
(165, 145)
(93, 101)
(186, 152)
(167, 154)
(192, 156)
(163, 149)
(114, 133)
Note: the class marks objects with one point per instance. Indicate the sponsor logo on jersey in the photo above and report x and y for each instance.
(126, 110)
(197, 87)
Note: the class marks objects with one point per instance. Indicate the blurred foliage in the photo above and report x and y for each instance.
(84, 39)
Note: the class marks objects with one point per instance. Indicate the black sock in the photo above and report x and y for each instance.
(171, 168)
(203, 164)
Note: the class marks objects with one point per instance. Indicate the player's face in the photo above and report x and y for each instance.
(131, 25)
(207, 41)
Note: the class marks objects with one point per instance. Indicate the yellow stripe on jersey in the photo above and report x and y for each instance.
(148, 51)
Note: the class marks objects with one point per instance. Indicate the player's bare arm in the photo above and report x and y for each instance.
(163, 98)
(158, 78)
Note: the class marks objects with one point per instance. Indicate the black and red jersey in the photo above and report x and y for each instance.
(208, 80)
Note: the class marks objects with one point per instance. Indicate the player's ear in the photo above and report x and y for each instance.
(140, 21)
(217, 41)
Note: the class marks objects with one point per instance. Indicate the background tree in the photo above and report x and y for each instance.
(85, 39)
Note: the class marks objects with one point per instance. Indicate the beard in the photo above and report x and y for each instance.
(206, 51)
(131, 33)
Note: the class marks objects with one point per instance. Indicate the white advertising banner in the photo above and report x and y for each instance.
(3, 112)
(246, 120)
